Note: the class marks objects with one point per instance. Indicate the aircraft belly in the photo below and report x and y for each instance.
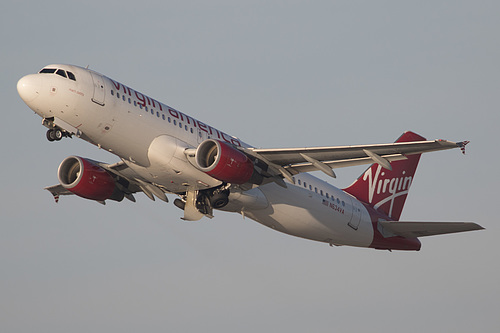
(244, 201)
(167, 166)
(302, 213)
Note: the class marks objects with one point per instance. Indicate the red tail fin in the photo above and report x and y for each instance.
(387, 190)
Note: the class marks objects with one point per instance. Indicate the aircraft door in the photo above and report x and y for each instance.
(98, 88)
(356, 215)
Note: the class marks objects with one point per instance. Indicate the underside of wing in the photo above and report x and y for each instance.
(421, 229)
(286, 156)
(291, 161)
(120, 182)
(341, 156)
(57, 191)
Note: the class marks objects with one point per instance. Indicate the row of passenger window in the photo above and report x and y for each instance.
(60, 72)
(158, 114)
(328, 196)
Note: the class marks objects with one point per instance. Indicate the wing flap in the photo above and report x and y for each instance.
(421, 229)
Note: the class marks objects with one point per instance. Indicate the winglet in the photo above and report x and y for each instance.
(462, 146)
(57, 191)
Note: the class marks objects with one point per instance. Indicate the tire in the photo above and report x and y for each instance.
(179, 204)
(219, 200)
(51, 136)
(58, 134)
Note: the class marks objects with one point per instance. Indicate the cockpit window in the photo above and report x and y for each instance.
(61, 72)
(71, 76)
(47, 71)
(58, 71)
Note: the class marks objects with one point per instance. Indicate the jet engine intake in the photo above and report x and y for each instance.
(88, 180)
(222, 161)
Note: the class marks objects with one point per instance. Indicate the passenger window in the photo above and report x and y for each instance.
(321, 192)
(192, 130)
(112, 92)
(61, 73)
(300, 183)
(129, 101)
(310, 187)
(117, 95)
(163, 116)
(71, 76)
(135, 103)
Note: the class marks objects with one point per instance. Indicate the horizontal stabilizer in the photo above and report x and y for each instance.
(421, 229)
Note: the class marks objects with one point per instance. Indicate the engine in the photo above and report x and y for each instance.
(222, 161)
(88, 180)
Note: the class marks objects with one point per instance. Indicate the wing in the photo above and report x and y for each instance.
(421, 229)
(126, 180)
(57, 191)
(290, 161)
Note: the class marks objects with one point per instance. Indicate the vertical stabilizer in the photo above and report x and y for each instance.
(386, 190)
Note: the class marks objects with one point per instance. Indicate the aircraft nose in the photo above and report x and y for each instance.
(29, 87)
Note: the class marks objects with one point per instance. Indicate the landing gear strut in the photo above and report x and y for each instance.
(198, 203)
(55, 133)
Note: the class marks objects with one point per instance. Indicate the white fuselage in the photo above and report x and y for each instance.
(151, 137)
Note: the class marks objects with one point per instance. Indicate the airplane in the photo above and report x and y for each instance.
(164, 151)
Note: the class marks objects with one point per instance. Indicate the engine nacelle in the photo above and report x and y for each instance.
(222, 161)
(87, 180)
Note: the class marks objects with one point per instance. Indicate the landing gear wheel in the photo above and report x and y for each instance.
(219, 200)
(55, 134)
(58, 134)
(51, 136)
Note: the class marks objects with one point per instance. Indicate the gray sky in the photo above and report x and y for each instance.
(276, 74)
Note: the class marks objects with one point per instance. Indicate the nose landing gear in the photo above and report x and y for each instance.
(54, 135)
(54, 132)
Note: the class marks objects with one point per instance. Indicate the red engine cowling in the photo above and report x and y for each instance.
(87, 179)
(224, 162)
